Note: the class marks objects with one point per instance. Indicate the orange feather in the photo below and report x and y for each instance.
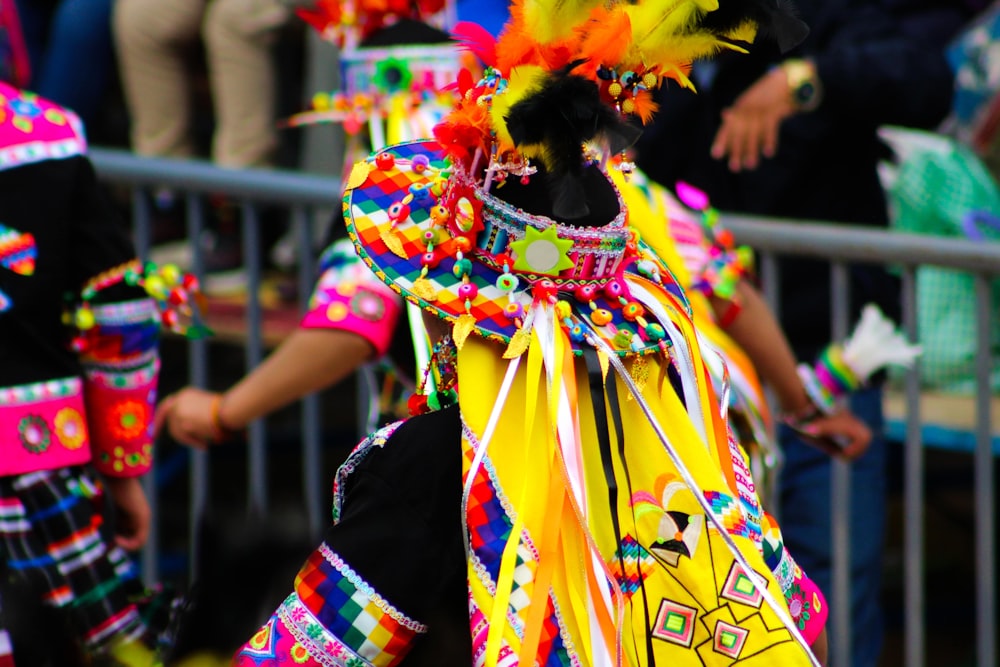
(605, 37)
(645, 107)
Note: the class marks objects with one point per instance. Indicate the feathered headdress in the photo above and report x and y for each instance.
(566, 73)
(347, 22)
(580, 552)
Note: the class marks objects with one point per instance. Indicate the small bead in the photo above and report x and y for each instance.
(463, 267)
(586, 293)
(513, 310)
(421, 194)
(563, 310)
(84, 319)
(507, 282)
(385, 161)
(399, 211)
(171, 274)
(439, 215)
(614, 289)
(632, 310)
(545, 288)
(420, 163)
(430, 259)
(648, 269)
(467, 291)
(654, 332)
(177, 296)
(600, 316)
(463, 244)
(576, 333)
(622, 340)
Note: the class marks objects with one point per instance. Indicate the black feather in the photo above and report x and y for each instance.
(776, 19)
(562, 115)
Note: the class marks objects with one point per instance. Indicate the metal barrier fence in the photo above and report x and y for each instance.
(837, 244)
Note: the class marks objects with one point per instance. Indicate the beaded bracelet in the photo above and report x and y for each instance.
(222, 432)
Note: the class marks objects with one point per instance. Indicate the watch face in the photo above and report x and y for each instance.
(805, 94)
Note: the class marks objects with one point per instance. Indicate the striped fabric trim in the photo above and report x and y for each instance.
(40, 151)
(321, 644)
(126, 312)
(337, 562)
(39, 391)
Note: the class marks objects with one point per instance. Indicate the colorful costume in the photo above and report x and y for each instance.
(78, 371)
(585, 502)
(394, 71)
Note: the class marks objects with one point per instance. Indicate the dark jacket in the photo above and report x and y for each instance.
(880, 62)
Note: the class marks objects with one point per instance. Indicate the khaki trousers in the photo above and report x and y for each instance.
(155, 39)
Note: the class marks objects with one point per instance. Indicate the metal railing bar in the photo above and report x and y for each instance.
(312, 453)
(770, 278)
(986, 561)
(198, 377)
(149, 560)
(257, 480)
(199, 176)
(913, 491)
(861, 244)
(840, 492)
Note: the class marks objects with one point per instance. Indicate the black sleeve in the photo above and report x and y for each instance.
(884, 61)
(400, 529)
(99, 235)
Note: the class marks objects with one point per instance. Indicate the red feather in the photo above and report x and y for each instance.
(475, 38)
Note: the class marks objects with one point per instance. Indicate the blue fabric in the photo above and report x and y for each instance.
(69, 44)
(490, 14)
(805, 523)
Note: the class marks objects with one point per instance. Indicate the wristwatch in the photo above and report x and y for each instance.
(804, 86)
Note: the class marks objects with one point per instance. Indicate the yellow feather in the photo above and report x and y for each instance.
(666, 33)
(549, 20)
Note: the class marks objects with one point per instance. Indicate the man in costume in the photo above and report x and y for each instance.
(79, 327)
(584, 503)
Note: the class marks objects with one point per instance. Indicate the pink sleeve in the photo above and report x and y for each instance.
(805, 600)
(119, 354)
(349, 297)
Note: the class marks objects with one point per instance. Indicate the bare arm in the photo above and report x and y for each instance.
(756, 330)
(307, 361)
(758, 333)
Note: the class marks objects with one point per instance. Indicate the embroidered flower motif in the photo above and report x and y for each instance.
(34, 433)
(392, 74)
(25, 111)
(71, 430)
(299, 654)
(368, 305)
(798, 606)
(129, 419)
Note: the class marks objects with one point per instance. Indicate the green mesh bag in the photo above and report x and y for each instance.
(941, 188)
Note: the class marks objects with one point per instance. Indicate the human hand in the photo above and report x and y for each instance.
(188, 417)
(840, 434)
(750, 126)
(133, 516)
